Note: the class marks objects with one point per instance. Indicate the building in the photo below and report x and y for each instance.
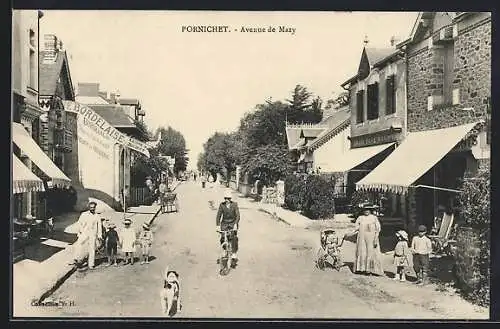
(28, 197)
(95, 151)
(378, 116)
(448, 58)
(56, 138)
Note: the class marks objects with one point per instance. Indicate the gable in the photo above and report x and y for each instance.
(364, 66)
(53, 72)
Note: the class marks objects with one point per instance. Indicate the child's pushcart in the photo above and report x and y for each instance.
(329, 252)
(170, 203)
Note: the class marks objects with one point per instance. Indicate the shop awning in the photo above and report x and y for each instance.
(418, 153)
(24, 141)
(347, 160)
(23, 180)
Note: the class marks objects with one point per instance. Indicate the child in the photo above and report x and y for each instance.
(421, 246)
(127, 239)
(401, 253)
(146, 240)
(111, 241)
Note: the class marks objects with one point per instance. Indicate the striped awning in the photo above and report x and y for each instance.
(23, 140)
(417, 154)
(23, 180)
(345, 161)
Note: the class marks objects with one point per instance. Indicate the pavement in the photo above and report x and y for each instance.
(275, 276)
(50, 259)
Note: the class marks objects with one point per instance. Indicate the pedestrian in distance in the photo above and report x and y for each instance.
(146, 241)
(401, 254)
(111, 241)
(128, 241)
(421, 246)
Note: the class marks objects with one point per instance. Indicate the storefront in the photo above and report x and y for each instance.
(426, 170)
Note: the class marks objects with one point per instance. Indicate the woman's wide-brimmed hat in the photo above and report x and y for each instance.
(402, 234)
(127, 221)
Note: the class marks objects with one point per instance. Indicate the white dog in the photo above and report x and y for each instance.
(170, 293)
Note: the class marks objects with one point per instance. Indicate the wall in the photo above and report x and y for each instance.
(471, 75)
(384, 121)
(467, 254)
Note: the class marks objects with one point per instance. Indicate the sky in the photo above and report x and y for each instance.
(200, 83)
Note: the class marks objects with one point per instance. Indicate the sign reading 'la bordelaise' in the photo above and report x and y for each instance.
(88, 117)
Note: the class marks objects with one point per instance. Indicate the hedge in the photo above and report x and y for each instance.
(313, 195)
(474, 207)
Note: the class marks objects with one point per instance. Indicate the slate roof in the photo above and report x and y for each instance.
(128, 101)
(335, 122)
(376, 55)
(50, 72)
(311, 132)
(114, 115)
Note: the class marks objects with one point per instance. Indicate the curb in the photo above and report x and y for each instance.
(53, 287)
(274, 216)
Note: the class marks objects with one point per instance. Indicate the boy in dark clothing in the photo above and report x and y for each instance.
(111, 241)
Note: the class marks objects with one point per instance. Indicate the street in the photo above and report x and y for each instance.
(275, 277)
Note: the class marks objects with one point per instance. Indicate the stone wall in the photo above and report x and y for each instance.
(471, 76)
(467, 256)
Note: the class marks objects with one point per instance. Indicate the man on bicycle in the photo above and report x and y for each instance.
(228, 218)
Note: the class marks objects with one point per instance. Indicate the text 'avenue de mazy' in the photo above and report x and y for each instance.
(244, 29)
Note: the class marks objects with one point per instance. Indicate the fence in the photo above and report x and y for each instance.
(138, 196)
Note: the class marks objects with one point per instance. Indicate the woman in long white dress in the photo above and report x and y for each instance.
(368, 257)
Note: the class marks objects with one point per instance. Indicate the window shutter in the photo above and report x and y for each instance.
(390, 95)
(359, 106)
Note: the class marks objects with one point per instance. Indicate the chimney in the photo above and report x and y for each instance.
(394, 41)
(117, 97)
(88, 89)
(50, 48)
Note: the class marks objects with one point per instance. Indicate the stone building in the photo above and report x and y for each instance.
(378, 117)
(26, 114)
(448, 59)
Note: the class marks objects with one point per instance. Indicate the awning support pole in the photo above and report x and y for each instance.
(437, 188)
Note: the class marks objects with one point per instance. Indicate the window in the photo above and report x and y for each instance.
(33, 69)
(360, 95)
(448, 92)
(372, 101)
(390, 85)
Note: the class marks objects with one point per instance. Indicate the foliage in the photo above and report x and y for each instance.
(294, 188)
(360, 196)
(474, 207)
(319, 197)
(312, 194)
(338, 101)
(143, 128)
(173, 144)
(267, 163)
(144, 166)
(301, 109)
(221, 154)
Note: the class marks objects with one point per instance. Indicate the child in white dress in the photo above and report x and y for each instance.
(128, 240)
(401, 254)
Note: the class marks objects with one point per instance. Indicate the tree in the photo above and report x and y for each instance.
(301, 109)
(144, 166)
(338, 101)
(221, 153)
(173, 144)
(268, 163)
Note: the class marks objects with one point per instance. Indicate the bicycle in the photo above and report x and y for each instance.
(228, 252)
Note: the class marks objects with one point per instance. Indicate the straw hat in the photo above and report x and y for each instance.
(402, 234)
(228, 195)
(422, 228)
(127, 221)
(146, 226)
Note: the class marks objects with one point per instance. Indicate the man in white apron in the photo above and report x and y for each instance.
(89, 234)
